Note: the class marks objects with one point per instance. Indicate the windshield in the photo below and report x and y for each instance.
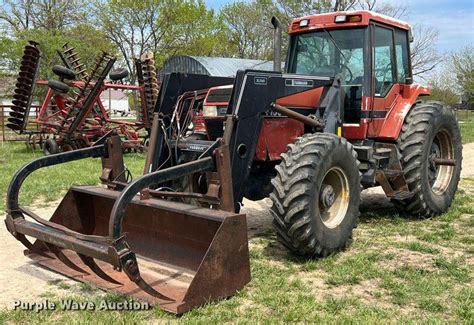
(329, 52)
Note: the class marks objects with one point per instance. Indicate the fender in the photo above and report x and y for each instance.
(396, 116)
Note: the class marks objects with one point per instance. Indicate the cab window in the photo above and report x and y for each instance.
(401, 49)
(384, 61)
(328, 53)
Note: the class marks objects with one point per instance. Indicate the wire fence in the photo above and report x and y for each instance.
(6, 133)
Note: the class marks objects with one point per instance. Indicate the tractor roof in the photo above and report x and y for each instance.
(344, 19)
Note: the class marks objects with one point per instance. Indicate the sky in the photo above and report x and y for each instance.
(454, 19)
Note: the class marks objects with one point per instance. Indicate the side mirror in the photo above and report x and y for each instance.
(408, 80)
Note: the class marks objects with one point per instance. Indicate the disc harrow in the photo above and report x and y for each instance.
(146, 73)
(73, 61)
(24, 88)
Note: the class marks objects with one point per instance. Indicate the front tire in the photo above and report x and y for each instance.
(316, 195)
(430, 132)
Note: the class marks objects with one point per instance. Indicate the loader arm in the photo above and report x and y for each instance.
(253, 95)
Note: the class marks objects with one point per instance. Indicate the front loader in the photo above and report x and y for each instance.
(137, 235)
(314, 135)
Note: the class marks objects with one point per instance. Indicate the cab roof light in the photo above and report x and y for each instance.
(304, 23)
(355, 18)
(348, 19)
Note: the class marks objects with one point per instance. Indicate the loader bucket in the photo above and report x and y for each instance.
(189, 254)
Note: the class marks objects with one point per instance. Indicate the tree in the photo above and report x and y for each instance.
(52, 15)
(249, 30)
(462, 64)
(192, 30)
(129, 25)
(441, 88)
(165, 27)
(424, 55)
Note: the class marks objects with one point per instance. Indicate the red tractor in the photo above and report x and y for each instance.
(345, 115)
(386, 134)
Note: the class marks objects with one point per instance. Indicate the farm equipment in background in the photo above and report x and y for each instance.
(24, 87)
(72, 110)
(345, 115)
(146, 75)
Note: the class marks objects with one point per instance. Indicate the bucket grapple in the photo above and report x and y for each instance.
(174, 254)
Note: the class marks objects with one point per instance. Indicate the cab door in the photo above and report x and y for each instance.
(385, 86)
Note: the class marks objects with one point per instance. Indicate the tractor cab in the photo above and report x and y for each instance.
(369, 51)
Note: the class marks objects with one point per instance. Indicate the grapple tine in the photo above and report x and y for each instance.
(22, 238)
(132, 271)
(89, 261)
(63, 258)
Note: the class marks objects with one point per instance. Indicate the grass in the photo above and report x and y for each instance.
(396, 270)
(467, 129)
(50, 183)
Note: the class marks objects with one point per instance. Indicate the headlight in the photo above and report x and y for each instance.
(209, 111)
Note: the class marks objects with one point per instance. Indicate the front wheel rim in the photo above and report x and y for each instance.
(333, 197)
(439, 176)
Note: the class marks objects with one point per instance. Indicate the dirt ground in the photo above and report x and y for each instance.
(21, 280)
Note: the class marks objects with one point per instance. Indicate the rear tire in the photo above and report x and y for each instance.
(430, 130)
(310, 217)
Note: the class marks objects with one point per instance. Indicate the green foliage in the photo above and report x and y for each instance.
(195, 30)
(443, 91)
(249, 32)
(463, 66)
(467, 128)
(166, 28)
(455, 83)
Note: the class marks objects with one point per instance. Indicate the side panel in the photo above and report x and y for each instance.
(310, 99)
(276, 134)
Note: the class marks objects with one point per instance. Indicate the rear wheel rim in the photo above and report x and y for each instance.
(333, 197)
(439, 176)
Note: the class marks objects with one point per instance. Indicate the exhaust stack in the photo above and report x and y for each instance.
(276, 44)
